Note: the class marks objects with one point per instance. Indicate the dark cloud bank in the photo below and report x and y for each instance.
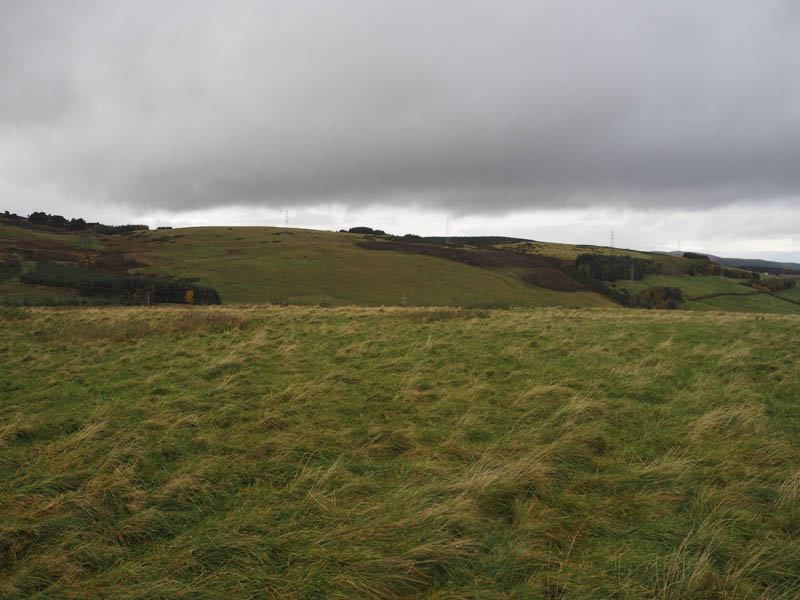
(467, 106)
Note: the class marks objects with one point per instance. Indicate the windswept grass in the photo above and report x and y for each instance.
(385, 453)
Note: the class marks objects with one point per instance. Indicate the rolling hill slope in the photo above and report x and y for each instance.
(257, 265)
(261, 265)
(718, 293)
(271, 265)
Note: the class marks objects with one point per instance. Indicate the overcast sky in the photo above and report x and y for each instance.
(669, 122)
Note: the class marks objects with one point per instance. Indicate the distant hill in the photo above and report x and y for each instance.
(44, 264)
(488, 240)
(765, 266)
(275, 265)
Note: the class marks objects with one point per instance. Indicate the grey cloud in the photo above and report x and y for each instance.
(475, 107)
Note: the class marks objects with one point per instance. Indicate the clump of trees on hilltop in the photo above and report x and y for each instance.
(366, 231)
(60, 222)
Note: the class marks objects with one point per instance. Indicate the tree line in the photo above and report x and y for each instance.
(79, 224)
(122, 288)
(608, 267)
(771, 285)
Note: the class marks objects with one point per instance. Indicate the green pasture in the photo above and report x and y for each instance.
(260, 265)
(692, 286)
(298, 453)
(756, 303)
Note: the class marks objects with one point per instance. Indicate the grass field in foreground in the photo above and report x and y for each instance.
(431, 453)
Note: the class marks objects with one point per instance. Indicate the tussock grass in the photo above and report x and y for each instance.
(288, 452)
(125, 324)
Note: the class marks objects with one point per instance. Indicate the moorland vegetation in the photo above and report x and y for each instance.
(43, 262)
(297, 452)
(570, 448)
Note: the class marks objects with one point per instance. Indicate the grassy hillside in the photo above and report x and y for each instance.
(571, 251)
(669, 265)
(261, 265)
(268, 265)
(274, 265)
(691, 286)
(792, 294)
(756, 303)
(375, 453)
(732, 295)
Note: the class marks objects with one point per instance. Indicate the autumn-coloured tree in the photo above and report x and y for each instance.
(89, 260)
(189, 297)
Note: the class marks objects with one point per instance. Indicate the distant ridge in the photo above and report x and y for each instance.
(476, 240)
(749, 263)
